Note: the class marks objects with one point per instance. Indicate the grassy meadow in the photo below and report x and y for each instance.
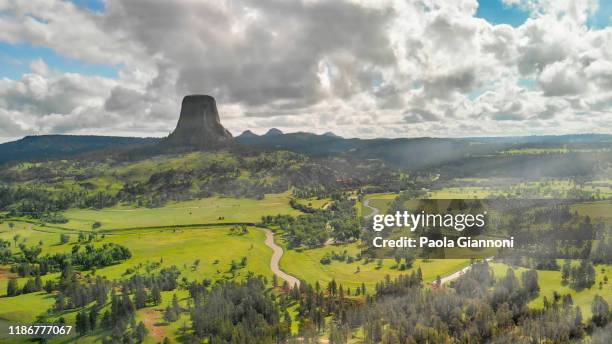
(203, 211)
(214, 248)
(313, 202)
(306, 265)
(550, 281)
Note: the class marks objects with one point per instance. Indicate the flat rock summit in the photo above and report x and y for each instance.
(199, 124)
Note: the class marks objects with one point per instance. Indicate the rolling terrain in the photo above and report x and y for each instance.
(227, 215)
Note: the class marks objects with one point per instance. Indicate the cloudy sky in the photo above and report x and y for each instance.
(359, 68)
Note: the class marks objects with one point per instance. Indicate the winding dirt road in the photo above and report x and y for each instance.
(459, 273)
(375, 211)
(276, 257)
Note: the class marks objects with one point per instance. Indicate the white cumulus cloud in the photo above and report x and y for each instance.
(358, 68)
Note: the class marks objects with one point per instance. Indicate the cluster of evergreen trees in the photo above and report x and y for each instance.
(602, 253)
(76, 291)
(32, 285)
(551, 232)
(476, 309)
(579, 277)
(233, 312)
(172, 312)
(338, 222)
(90, 295)
(5, 251)
(317, 305)
(29, 262)
(165, 280)
(98, 257)
(120, 321)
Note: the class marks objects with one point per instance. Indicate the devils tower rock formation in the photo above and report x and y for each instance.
(199, 125)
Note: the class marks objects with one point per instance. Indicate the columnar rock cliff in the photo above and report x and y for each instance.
(199, 125)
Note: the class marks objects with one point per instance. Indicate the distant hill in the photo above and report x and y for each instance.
(247, 134)
(329, 133)
(56, 146)
(426, 152)
(273, 132)
(469, 155)
(307, 143)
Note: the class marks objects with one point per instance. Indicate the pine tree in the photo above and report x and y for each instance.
(140, 298)
(578, 322)
(82, 323)
(106, 322)
(93, 318)
(140, 333)
(565, 271)
(38, 283)
(170, 315)
(600, 310)
(79, 324)
(156, 295)
(12, 288)
(29, 286)
(175, 304)
(114, 314)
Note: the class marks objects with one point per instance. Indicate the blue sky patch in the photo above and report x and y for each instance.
(528, 84)
(15, 60)
(496, 12)
(476, 93)
(92, 5)
(603, 17)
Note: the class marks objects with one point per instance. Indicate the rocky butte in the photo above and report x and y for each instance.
(199, 125)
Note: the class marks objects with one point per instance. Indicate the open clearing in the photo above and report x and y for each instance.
(314, 202)
(550, 281)
(596, 210)
(202, 211)
(305, 264)
(214, 247)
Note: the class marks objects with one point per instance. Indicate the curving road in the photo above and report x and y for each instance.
(459, 273)
(276, 257)
(375, 211)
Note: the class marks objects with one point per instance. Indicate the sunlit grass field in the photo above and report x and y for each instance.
(305, 264)
(380, 201)
(460, 193)
(202, 211)
(595, 210)
(550, 281)
(215, 248)
(314, 202)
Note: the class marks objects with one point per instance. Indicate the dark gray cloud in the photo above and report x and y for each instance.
(255, 52)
